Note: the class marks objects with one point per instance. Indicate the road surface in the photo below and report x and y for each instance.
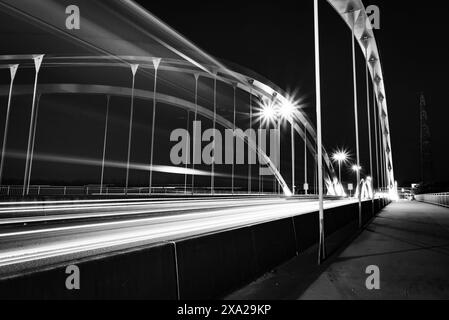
(35, 235)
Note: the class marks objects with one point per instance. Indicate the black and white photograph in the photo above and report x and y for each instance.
(232, 153)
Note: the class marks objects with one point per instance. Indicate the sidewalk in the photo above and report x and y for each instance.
(408, 241)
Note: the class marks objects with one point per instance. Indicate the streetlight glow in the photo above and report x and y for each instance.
(340, 156)
(356, 168)
(287, 110)
(266, 112)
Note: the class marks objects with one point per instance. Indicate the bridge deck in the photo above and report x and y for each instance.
(408, 241)
(52, 234)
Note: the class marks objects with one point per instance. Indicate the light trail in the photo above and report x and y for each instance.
(112, 164)
(41, 246)
(127, 209)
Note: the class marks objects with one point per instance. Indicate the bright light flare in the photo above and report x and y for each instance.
(287, 110)
(356, 168)
(340, 156)
(266, 112)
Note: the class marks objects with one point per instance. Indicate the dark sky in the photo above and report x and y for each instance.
(275, 39)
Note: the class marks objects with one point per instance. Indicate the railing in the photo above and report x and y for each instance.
(46, 190)
(95, 190)
(441, 199)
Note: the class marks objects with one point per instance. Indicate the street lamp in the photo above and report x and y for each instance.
(266, 115)
(356, 168)
(286, 112)
(340, 156)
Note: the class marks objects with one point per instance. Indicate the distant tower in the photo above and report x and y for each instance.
(425, 145)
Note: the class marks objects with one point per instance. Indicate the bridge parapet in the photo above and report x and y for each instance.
(440, 199)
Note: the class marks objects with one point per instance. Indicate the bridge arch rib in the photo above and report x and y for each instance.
(258, 88)
(367, 42)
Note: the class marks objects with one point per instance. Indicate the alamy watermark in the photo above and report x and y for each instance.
(72, 282)
(373, 280)
(73, 20)
(373, 21)
(230, 149)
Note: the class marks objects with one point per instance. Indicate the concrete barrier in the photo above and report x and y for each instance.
(204, 267)
(141, 273)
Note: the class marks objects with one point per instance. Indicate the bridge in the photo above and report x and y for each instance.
(182, 166)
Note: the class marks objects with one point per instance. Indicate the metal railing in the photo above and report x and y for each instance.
(96, 190)
(48, 190)
(441, 199)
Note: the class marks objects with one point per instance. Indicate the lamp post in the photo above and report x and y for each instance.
(356, 169)
(340, 156)
(266, 116)
(306, 185)
(287, 111)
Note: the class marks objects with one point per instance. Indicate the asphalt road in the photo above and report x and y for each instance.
(38, 235)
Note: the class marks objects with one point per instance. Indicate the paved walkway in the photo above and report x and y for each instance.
(408, 241)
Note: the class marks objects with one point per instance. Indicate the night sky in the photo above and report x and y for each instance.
(275, 39)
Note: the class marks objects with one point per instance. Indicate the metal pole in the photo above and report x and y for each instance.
(13, 71)
(249, 137)
(339, 171)
(133, 70)
(305, 157)
(187, 153)
(33, 142)
(321, 251)
(354, 72)
(293, 156)
(212, 178)
(259, 137)
(278, 138)
(381, 147)
(234, 142)
(156, 62)
(368, 108)
(108, 98)
(37, 65)
(196, 75)
(315, 175)
(376, 135)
